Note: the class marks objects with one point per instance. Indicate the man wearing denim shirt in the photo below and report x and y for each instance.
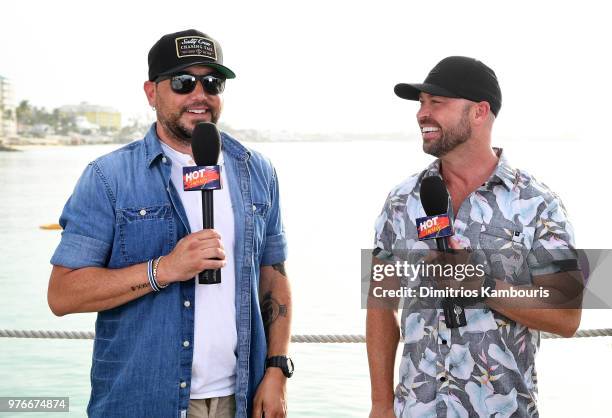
(515, 225)
(133, 241)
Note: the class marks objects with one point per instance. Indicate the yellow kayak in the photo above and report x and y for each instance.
(51, 226)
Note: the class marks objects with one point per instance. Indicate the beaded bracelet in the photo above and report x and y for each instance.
(155, 264)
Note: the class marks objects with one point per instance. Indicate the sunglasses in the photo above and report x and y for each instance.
(186, 83)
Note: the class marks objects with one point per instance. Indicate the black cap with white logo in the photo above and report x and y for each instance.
(458, 77)
(177, 51)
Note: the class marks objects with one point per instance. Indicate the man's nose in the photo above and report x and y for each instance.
(423, 113)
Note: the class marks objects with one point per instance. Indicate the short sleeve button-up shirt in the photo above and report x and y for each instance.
(488, 366)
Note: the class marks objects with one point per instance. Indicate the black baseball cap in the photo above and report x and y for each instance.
(179, 50)
(458, 77)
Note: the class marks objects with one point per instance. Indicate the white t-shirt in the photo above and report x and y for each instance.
(215, 336)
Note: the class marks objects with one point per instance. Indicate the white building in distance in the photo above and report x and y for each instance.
(8, 114)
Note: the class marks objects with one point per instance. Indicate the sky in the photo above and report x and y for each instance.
(323, 66)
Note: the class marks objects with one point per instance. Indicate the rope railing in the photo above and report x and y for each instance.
(307, 338)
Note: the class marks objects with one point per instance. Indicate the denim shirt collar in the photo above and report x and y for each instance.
(153, 149)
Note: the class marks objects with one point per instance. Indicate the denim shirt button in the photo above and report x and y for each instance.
(185, 343)
(164, 160)
(143, 212)
(254, 208)
(187, 304)
(183, 385)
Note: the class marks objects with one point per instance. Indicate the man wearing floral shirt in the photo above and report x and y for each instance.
(516, 227)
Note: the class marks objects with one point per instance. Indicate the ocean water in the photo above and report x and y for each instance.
(330, 195)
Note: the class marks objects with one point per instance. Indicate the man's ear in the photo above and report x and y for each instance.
(150, 90)
(482, 110)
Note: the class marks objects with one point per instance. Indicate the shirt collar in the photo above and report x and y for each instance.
(183, 160)
(503, 174)
(153, 149)
(233, 148)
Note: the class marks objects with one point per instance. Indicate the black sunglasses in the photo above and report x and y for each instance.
(186, 83)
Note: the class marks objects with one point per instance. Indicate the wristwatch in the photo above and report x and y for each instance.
(283, 362)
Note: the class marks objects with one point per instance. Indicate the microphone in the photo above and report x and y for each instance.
(436, 203)
(205, 146)
(438, 225)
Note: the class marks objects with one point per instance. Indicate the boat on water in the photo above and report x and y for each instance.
(51, 227)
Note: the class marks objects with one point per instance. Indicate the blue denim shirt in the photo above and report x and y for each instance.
(140, 367)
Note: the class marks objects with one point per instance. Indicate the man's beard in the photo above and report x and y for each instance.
(180, 132)
(450, 138)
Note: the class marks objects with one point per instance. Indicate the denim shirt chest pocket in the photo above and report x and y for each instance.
(153, 224)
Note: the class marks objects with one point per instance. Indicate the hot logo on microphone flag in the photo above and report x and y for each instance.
(202, 178)
(431, 227)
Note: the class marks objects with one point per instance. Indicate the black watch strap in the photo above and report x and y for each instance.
(282, 362)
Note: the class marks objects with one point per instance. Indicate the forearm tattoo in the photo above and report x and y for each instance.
(271, 310)
(140, 286)
(280, 267)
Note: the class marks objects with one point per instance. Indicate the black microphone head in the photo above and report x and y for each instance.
(205, 144)
(434, 196)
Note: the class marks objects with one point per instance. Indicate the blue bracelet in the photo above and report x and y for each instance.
(152, 280)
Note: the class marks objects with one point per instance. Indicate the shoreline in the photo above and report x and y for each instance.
(23, 143)
(30, 146)
(5, 148)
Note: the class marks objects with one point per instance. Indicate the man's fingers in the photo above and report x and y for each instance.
(211, 265)
(454, 244)
(276, 413)
(206, 234)
(257, 409)
(210, 243)
(212, 253)
(272, 410)
(211, 258)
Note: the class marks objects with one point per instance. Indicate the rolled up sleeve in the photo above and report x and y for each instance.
(88, 221)
(553, 247)
(275, 250)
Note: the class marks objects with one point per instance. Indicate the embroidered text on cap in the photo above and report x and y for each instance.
(195, 46)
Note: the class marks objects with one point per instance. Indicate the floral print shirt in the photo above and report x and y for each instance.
(486, 368)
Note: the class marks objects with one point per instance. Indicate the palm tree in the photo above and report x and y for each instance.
(24, 114)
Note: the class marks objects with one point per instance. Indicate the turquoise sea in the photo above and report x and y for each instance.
(330, 194)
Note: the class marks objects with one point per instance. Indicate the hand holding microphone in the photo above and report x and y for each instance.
(438, 225)
(205, 147)
(194, 253)
(200, 253)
